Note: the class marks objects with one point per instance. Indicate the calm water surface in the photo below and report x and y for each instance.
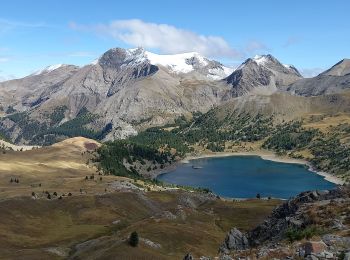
(245, 176)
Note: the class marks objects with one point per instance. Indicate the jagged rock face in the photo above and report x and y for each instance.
(247, 78)
(262, 74)
(122, 68)
(334, 80)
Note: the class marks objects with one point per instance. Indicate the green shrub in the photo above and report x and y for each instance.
(134, 239)
(293, 234)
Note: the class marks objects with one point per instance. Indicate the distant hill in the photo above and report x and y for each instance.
(334, 80)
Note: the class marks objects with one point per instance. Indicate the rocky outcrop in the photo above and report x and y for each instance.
(290, 215)
(235, 240)
(316, 209)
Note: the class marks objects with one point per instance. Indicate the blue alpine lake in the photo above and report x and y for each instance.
(246, 176)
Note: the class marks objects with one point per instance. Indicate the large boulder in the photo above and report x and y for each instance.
(235, 240)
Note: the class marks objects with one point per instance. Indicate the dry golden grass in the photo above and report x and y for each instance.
(30, 226)
(306, 154)
(325, 121)
(61, 167)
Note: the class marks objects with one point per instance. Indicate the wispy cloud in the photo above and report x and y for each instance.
(82, 54)
(8, 25)
(4, 49)
(163, 37)
(311, 72)
(255, 46)
(291, 41)
(4, 77)
(4, 59)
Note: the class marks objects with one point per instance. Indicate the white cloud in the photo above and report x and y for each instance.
(163, 37)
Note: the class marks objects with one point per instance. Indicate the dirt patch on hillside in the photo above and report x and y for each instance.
(90, 146)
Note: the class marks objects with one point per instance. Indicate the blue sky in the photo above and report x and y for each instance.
(312, 35)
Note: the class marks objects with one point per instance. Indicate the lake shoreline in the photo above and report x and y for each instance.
(265, 155)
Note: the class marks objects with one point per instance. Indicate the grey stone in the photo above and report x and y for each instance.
(225, 257)
(312, 257)
(150, 243)
(337, 241)
(235, 240)
(188, 256)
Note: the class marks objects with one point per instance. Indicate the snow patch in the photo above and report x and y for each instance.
(219, 73)
(180, 63)
(176, 62)
(260, 59)
(48, 69)
(94, 62)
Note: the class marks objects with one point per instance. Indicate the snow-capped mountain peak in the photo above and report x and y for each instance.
(269, 62)
(176, 63)
(260, 59)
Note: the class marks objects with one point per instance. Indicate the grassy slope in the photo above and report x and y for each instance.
(29, 226)
(61, 167)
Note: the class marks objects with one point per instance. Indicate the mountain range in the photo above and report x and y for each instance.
(127, 90)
